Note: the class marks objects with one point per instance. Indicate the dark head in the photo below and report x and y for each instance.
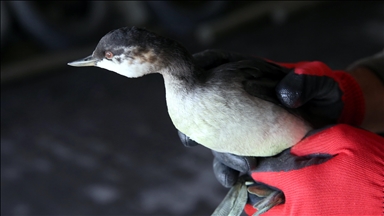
(134, 52)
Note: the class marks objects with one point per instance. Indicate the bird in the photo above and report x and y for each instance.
(231, 108)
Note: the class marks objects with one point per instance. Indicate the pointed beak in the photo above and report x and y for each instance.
(85, 62)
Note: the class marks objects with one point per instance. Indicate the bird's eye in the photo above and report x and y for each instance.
(108, 54)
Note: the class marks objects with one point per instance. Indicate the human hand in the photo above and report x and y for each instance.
(334, 96)
(332, 171)
(335, 171)
(369, 73)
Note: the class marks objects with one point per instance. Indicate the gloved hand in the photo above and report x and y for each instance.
(336, 171)
(332, 95)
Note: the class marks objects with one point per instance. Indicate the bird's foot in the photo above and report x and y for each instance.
(269, 197)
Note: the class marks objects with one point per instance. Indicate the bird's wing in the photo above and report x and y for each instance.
(212, 58)
(259, 77)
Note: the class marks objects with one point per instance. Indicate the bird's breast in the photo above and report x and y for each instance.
(233, 121)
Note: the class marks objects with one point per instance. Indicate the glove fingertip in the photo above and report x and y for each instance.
(289, 91)
(235, 162)
(287, 98)
(225, 175)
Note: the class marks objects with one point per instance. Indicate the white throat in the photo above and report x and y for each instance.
(130, 68)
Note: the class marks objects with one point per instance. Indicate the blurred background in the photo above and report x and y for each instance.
(85, 141)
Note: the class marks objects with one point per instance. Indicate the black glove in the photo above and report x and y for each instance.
(328, 95)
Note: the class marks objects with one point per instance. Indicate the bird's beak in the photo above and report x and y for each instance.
(85, 62)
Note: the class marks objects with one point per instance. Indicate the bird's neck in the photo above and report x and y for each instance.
(178, 65)
(181, 72)
(178, 80)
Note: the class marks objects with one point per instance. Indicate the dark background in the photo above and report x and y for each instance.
(85, 141)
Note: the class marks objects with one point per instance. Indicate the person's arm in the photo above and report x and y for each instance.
(369, 73)
(373, 91)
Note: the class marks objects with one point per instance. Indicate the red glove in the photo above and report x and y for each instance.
(338, 171)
